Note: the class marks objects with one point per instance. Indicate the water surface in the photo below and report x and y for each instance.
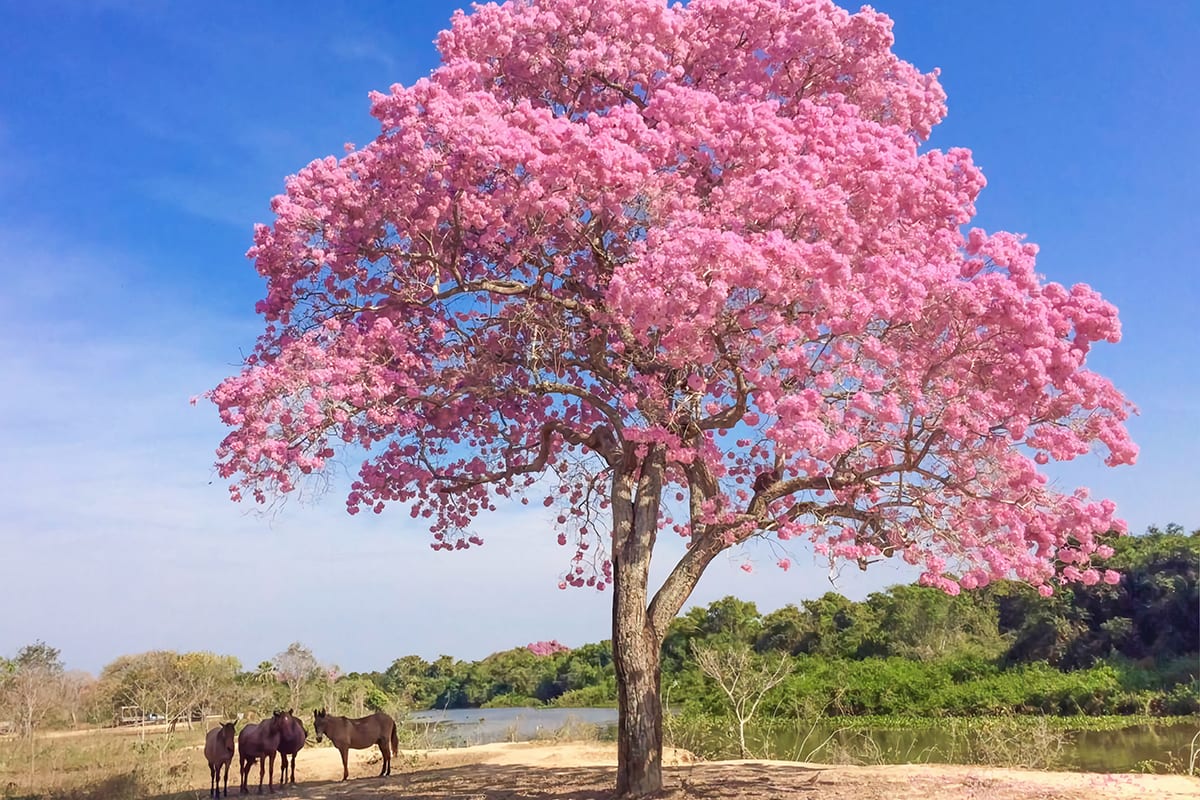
(1133, 748)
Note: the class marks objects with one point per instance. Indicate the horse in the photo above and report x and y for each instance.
(257, 742)
(218, 749)
(292, 737)
(378, 729)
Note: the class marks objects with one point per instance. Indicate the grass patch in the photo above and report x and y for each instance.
(108, 763)
(1039, 742)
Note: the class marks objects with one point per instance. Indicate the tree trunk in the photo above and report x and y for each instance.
(637, 647)
(636, 657)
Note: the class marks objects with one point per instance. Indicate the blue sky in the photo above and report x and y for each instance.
(139, 142)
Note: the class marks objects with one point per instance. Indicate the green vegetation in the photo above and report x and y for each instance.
(1127, 649)
(1003, 650)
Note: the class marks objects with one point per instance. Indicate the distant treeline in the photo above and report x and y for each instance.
(1129, 648)
(1133, 647)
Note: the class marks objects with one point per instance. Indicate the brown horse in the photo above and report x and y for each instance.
(218, 749)
(358, 734)
(292, 737)
(258, 742)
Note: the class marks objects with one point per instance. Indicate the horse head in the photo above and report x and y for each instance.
(319, 724)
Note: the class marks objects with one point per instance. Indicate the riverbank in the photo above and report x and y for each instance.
(585, 770)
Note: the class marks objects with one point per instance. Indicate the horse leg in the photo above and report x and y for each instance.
(212, 779)
(345, 750)
(244, 769)
(262, 765)
(227, 777)
(386, 752)
(271, 774)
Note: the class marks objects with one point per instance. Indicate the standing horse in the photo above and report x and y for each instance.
(358, 734)
(291, 738)
(218, 749)
(258, 742)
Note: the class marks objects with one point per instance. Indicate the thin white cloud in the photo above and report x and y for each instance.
(361, 49)
(207, 199)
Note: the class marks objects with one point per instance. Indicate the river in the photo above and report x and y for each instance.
(1123, 750)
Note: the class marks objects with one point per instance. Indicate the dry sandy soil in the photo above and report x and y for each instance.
(584, 771)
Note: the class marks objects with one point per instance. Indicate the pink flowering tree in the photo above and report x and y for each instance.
(549, 648)
(676, 271)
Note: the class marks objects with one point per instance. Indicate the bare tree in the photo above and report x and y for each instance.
(32, 687)
(297, 668)
(76, 687)
(745, 677)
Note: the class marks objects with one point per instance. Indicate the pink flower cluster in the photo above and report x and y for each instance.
(615, 249)
(547, 648)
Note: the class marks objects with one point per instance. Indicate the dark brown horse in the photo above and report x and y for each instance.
(218, 749)
(357, 734)
(291, 738)
(258, 742)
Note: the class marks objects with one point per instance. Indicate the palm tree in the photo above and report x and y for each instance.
(265, 673)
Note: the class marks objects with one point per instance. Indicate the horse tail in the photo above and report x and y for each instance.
(395, 740)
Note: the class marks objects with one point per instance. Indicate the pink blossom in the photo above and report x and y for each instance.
(548, 648)
(620, 247)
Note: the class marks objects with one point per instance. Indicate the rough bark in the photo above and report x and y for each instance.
(636, 644)
(639, 729)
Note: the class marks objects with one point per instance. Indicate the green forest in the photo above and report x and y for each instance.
(1127, 649)
(1130, 648)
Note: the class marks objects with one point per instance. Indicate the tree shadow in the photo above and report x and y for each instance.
(519, 782)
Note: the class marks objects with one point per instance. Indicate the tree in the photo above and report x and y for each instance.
(209, 680)
(297, 668)
(357, 694)
(265, 673)
(1154, 612)
(155, 682)
(924, 624)
(724, 621)
(783, 630)
(745, 677)
(33, 685)
(76, 688)
(682, 270)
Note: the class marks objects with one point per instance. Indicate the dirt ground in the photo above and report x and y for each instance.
(584, 771)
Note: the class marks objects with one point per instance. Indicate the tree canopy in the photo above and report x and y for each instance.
(684, 269)
(571, 236)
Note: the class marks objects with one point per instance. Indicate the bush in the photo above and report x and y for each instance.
(512, 701)
(1183, 700)
(601, 696)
